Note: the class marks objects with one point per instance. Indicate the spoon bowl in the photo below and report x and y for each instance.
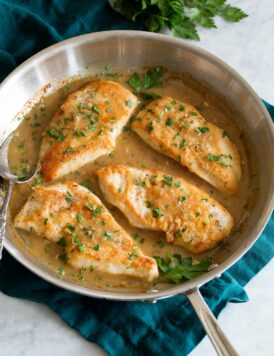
(5, 171)
(11, 178)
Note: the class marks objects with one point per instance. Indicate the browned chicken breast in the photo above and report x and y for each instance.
(153, 200)
(85, 127)
(70, 213)
(179, 131)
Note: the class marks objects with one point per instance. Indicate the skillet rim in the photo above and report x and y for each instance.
(185, 286)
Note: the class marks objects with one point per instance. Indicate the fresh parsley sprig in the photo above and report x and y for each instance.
(181, 16)
(153, 78)
(177, 269)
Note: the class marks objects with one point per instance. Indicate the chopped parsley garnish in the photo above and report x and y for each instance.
(63, 257)
(169, 122)
(137, 181)
(197, 214)
(168, 107)
(79, 133)
(46, 221)
(181, 108)
(21, 146)
(202, 129)
(71, 228)
(181, 199)
(219, 159)
(61, 272)
(179, 233)
(68, 119)
(183, 143)
(76, 241)
(177, 185)
(95, 109)
(109, 234)
(68, 197)
(167, 181)
(193, 113)
(150, 127)
(156, 213)
(177, 269)
(69, 150)
(62, 242)
(149, 204)
(96, 210)
(80, 217)
(57, 135)
(96, 247)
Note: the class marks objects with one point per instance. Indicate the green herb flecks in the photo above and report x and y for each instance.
(167, 181)
(96, 247)
(62, 242)
(96, 210)
(156, 213)
(169, 122)
(57, 135)
(202, 130)
(69, 150)
(80, 217)
(109, 234)
(222, 159)
(61, 272)
(150, 127)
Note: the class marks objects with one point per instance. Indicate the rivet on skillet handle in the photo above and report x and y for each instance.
(220, 342)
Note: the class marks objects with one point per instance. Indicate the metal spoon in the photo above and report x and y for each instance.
(12, 179)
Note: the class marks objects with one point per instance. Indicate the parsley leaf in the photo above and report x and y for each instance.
(180, 16)
(153, 78)
(177, 269)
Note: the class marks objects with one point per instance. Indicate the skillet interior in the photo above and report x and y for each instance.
(122, 48)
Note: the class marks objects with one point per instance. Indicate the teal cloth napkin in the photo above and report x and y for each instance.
(134, 328)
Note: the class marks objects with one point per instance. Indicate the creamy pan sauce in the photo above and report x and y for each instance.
(130, 150)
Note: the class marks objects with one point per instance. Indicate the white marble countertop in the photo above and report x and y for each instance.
(31, 329)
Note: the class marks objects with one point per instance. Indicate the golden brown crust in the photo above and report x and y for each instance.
(85, 127)
(153, 200)
(179, 131)
(93, 238)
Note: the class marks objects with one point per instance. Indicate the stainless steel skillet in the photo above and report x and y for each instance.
(132, 50)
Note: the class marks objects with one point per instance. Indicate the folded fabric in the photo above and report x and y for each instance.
(170, 326)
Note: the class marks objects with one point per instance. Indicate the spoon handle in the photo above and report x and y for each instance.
(3, 216)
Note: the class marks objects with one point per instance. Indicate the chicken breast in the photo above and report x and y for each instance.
(85, 127)
(153, 200)
(179, 131)
(70, 213)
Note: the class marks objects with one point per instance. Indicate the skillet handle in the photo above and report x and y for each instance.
(218, 339)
